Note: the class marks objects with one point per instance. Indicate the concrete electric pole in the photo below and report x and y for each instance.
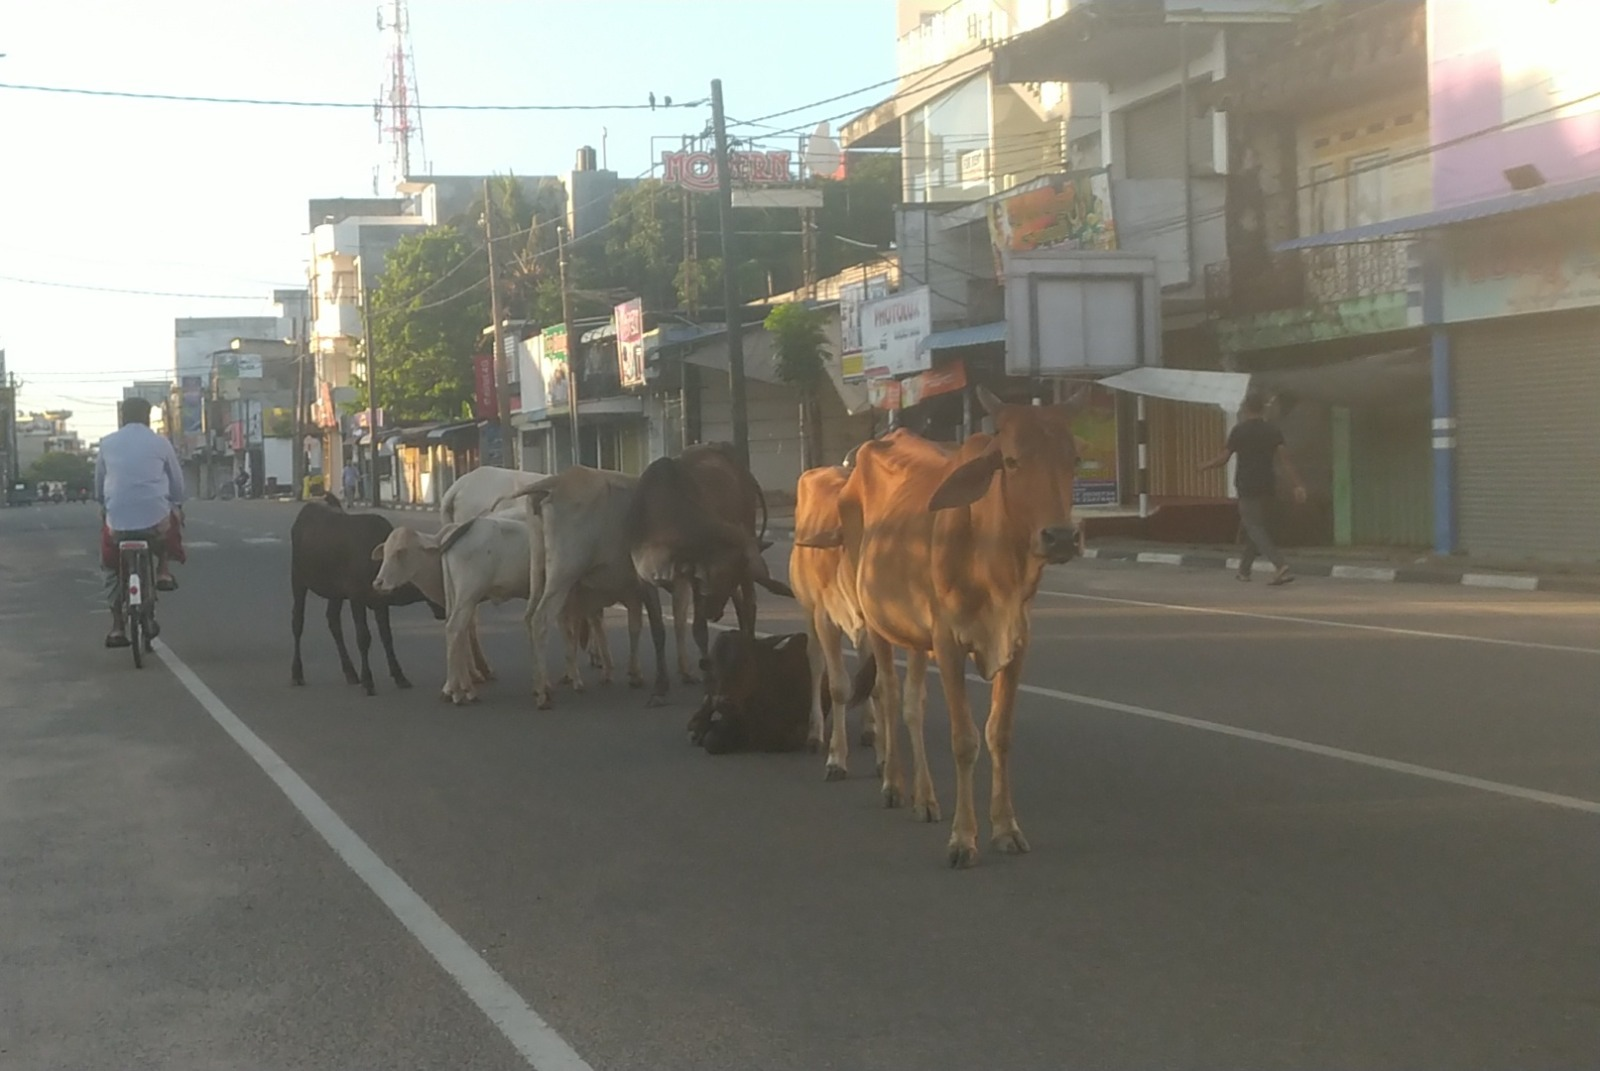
(732, 314)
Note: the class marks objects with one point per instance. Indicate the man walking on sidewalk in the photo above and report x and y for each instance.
(1257, 443)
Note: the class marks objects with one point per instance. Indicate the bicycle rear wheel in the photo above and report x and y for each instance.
(136, 635)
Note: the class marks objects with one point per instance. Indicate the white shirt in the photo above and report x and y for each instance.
(137, 477)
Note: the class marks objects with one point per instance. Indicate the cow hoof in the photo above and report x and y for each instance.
(298, 682)
(635, 680)
(962, 856)
(401, 682)
(869, 737)
(371, 690)
(542, 700)
(893, 796)
(835, 772)
(925, 812)
(690, 678)
(656, 701)
(489, 675)
(351, 678)
(1011, 842)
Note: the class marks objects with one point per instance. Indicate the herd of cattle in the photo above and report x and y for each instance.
(910, 546)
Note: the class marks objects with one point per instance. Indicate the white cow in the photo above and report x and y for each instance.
(482, 559)
(477, 492)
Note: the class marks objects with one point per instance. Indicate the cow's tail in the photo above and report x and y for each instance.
(541, 488)
(865, 680)
(453, 534)
(761, 497)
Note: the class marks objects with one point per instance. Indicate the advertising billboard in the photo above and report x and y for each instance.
(893, 329)
(553, 368)
(629, 320)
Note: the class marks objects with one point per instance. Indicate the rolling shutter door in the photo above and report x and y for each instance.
(774, 427)
(1528, 437)
(1152, 140)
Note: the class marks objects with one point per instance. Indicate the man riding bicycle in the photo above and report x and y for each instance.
(139, 485)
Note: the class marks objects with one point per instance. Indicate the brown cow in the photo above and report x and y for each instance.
(948, 549)
(826, 592)
(692, 530)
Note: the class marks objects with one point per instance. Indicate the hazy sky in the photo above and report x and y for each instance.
(211, 198)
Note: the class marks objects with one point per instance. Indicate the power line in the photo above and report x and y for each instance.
(190, 98)
(123, 290)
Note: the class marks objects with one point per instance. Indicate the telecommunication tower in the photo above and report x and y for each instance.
(396, 110)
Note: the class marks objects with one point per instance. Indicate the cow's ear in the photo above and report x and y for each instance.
(786, 642)
(968, 483)
(377, 552)
(434, 540)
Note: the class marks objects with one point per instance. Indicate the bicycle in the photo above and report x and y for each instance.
(139, 600)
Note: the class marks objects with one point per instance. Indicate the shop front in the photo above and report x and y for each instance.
(1520, 299)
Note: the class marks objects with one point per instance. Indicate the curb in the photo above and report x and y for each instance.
(1383, 574)
(1380, 574)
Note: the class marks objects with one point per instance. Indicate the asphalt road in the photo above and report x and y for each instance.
(1334, 825)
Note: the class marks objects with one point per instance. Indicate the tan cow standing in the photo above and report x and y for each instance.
(948, 549)
(825, 589)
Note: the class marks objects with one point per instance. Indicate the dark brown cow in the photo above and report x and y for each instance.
(692, 530)
(331, 555)
(755, 695)
(948, 549)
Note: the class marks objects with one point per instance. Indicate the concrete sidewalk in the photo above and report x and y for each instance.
(1373, 564)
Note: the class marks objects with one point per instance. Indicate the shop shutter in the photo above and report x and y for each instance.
(1528, 436)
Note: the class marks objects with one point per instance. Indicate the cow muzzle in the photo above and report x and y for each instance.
(1060, 543)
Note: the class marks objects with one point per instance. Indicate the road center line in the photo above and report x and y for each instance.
(535, 1039)
(1391, 630)
(1360, 758)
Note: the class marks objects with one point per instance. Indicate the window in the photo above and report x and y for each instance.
(1366, 188)
(1327, 200)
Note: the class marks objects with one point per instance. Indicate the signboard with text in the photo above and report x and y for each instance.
(851, 297)
(629, 319)
(485, 393)
(697, 171)
(1511, 268)
(893, 329)
(553, 369)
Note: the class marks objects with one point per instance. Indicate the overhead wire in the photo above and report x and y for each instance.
(196, 98)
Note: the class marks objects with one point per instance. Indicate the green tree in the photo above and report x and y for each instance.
(427, 317)
(71, 469)
(800, 347)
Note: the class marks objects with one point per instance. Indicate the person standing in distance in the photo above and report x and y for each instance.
(1258, 444)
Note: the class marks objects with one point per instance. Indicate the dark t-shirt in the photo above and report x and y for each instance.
(1254, 443)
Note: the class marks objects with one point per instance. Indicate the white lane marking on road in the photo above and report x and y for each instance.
(535, 1039)
(1153, 557)
(1355, 625)
(262, 539)
(1533, 795)
(1360, 758)
(200, 544)
(1500, 580)
(1361, 572)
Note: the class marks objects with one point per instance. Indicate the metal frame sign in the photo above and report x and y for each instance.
(697, 171)
(629, 320)
(893, 329)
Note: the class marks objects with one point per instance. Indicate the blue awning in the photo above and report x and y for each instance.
(1521, 200)
(966, 336)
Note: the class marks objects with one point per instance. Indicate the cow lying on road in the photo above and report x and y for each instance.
(756, 695)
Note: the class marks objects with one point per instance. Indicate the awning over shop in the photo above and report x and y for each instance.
(417, 435)
(446, 430)
(1521, 200)
(966, 336)
(1384, 380)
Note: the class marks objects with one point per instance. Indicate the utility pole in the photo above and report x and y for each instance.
(732, 314)
(372, 393)
(502, 381)
(572, 342)
(297, 466)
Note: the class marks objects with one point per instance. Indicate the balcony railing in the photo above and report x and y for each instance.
(1298, 277)
(959, 28)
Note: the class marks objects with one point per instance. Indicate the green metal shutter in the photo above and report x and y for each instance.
(1391, 478)
(1528, 437)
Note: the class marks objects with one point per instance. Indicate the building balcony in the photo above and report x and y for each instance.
(944, 35)
(1322, 276)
